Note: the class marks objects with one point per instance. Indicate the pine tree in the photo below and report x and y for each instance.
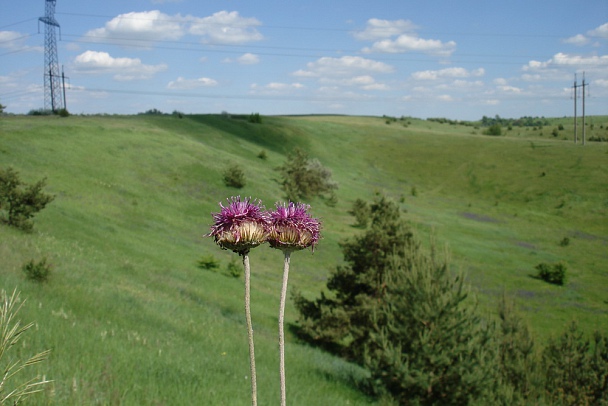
(428, 344)
(341, 321)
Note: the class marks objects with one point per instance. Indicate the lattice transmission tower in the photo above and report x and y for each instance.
(53, 97)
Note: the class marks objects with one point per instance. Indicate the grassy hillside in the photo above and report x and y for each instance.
(131, 318)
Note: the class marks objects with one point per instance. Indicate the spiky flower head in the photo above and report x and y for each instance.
(240, 225)
(292, 228)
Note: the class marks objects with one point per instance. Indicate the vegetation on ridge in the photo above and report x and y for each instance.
(133, 197)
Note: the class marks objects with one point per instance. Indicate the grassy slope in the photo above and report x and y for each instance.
(129, 316)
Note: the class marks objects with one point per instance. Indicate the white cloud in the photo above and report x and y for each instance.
(601, 31)
(578, 39)
(500, 81)
(454, 72)
(445, 98)
(248, 59)
(412, 43)
(561, 66)
(93, 62)
(510, 89)
(140, 26)
(275, 88)
(10, 39)
(377, 29)
(341, 67)
(601, 83)
(226, 27)
(184, 84)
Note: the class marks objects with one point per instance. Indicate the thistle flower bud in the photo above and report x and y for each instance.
(292, 228)
(240, 226)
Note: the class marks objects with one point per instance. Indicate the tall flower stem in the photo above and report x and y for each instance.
(281, 326)
(254, 390)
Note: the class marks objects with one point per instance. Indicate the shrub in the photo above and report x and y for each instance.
(255, 118)
(361, 211)
(306, 178)
(208, 262)
(20, 202)
(63, 113)
(552, 273)
(234, 176)
(564, 242)
(263, 155)
(494, 129)
(37, 271)
(234, 269)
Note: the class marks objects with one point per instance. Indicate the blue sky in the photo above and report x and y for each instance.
(434, 58)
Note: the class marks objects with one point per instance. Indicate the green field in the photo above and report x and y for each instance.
(132, 320)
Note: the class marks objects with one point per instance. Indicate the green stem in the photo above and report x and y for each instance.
(254, 390)
(281, 329)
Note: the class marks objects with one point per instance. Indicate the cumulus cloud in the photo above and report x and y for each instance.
(399, 36)
(140, 26)
(99, 63)
(185, 84)
(248, 59)
(412, 43)
(562, 64)
(275, 88)
(454, 72)
(342, 67)
(377, 29)
(578, 39)
(225, 27)
(600, 32)
(10, 39)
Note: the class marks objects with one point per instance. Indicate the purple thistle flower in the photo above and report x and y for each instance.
(240, 226)
(292, 228)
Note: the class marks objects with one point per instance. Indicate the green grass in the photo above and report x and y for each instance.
(130, 317)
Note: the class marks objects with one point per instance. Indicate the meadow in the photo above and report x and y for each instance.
(130, 317)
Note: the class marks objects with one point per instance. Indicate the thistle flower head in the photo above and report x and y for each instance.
(240, 225)
(292, 228)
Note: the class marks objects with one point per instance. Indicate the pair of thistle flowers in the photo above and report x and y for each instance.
(244, 224)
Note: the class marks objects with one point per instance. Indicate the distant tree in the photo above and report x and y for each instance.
(305, 178)
(20, 202)
(255, 118)
(361, 211)
(2, 108)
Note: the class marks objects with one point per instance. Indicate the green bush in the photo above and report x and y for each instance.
(255, 118)
(552, 273)
(63, 113)
(361, 211)
(234, 176)
(494, 129)
(263, 155)
(37, 271)
(20, 202)
(234, 268)
(208, 262)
